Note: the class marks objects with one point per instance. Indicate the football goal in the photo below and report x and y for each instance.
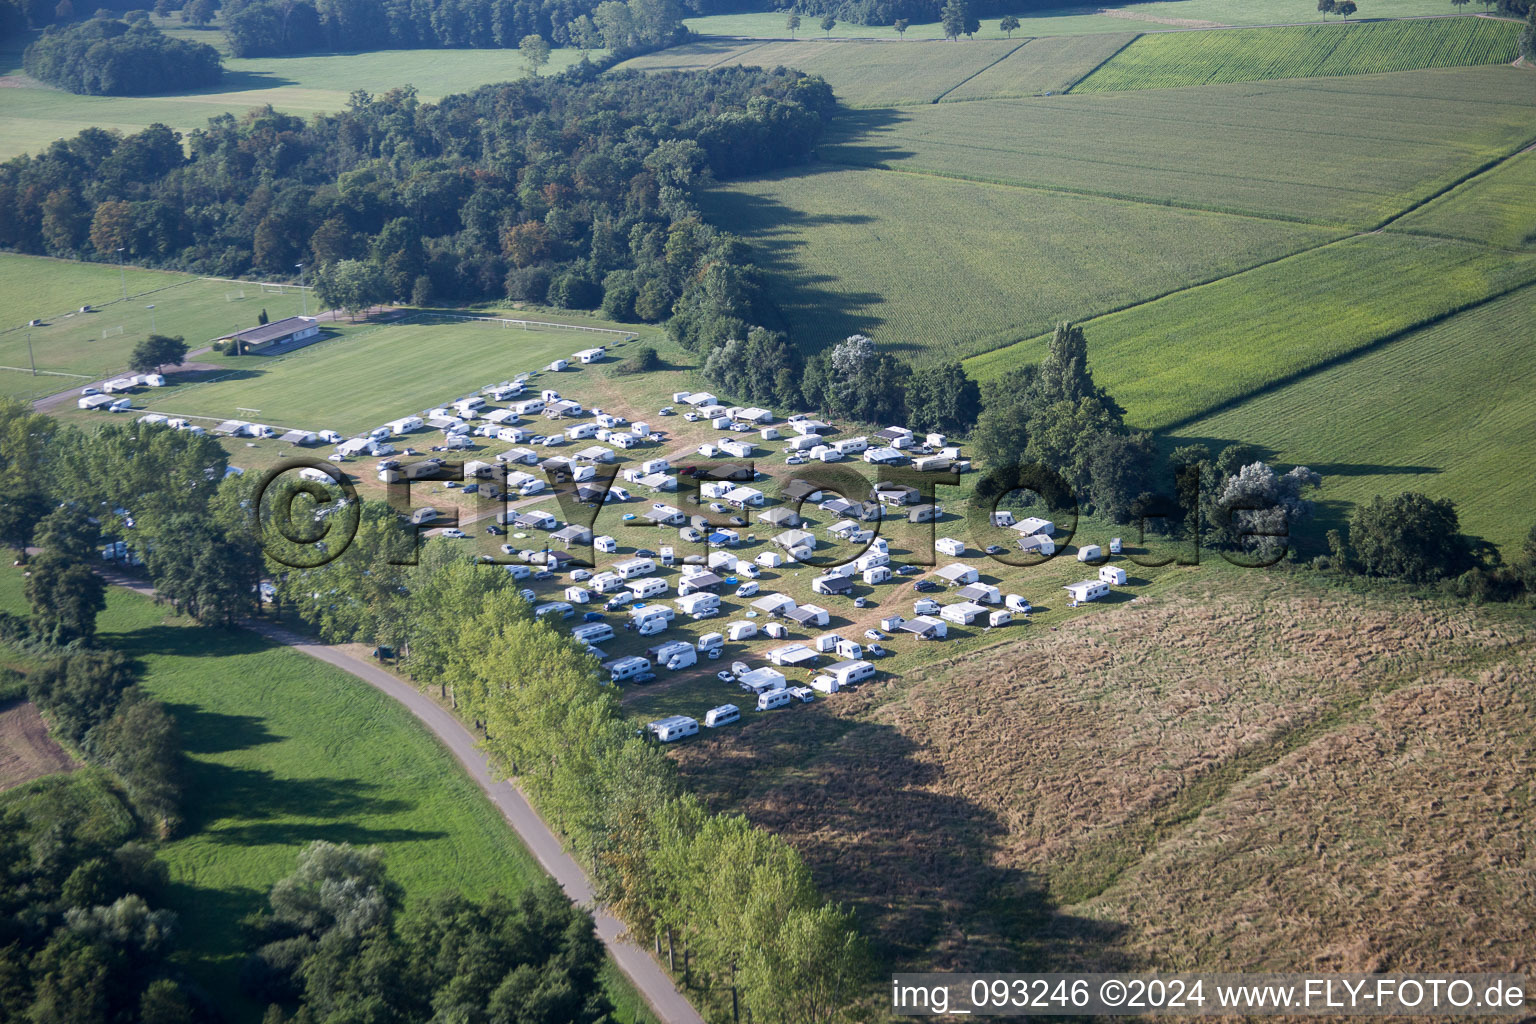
(274, 288)
(112, 332)
(234, 295)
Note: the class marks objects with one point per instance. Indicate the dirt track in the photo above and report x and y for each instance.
(27, 752)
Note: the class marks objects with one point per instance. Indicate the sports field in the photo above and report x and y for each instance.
(95, 344)
(1350, 151)
(1496, 207)
(938, 268)
(1445, 410)
(1182, 356)
(1046, 65)
(33, 115)
(1174, 59)
(862, 74)
(358, 381)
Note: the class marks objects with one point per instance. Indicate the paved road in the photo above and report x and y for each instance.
(647, 976)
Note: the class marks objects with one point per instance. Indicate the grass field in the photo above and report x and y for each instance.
(1445, 410)
(1495, 207)
(1183, 355)
(1275, 148)
(359, 381)
(198, 309)
(863, 74)
(283, 750)
(1002, 810)
(997, 263)
(1172, 59)
(33, 115)
(1077, 20)
(1046, 65)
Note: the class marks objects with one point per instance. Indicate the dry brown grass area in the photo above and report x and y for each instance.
(1066, 800)
(26, 750)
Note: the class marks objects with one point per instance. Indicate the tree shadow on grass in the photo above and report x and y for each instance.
(213, 732)
(237, 796)
(923, 868)
(186, 641)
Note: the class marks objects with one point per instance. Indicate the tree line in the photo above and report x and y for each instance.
(107, 57)
(733, 902)
(257, 28)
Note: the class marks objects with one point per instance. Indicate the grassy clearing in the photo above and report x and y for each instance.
(283, 750)
(1047, 65)
(358, 381)
(1495, 207)
(1445, 410)
(1175, 358)
(863, 74)
(940, 268)
(967, 810)
(34, 115)
(1273, 148)
(1171, 60)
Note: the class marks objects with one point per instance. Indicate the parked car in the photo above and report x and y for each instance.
(543, 574)
(995, 549)
(508, 549)
(737, 521)
(644, 677)
(619, 600)
(924, 586)
(725, 675)
(580, 574)
(495, 530)
(795, 460)
(802, 693)
(471, 488)
(389, 464)
(875, 651)
(644, 553)
(537, 439)
(875, 634)
(907, 570)
(860, 602)
(715, 506)
(454, 533)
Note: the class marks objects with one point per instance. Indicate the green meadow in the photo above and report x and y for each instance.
(33, 115)
(1173, 59)
(1445, 410)
(283, 750)
(1045, 65)
(1185, 355)
(938, 268)
(1495, 207)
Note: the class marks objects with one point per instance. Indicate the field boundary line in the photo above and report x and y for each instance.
(1079, 79)
(743, 53)
(1488, 167)
(1342, 358)
(626, 335)
(1022, 43)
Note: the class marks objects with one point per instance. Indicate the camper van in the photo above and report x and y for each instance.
(676, 727)
(725, 714)
(848, 650)
(679, 654)
(848, 672)
(626, 668)
(644, 589)
(741, 630)
(557, 609)
(424, 515)
(593, 633)
(773, 699)
(634, 567)
(1088, 552)
(710, 642)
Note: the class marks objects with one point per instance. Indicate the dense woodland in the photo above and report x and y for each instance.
(105, 57)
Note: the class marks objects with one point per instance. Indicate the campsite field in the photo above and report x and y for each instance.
(33, 114)
(1273, 149)
(283, 750)
(360, 380)
(1182, 356)
(844, 248)
(1445, 410)
(1495, 207)
(1172, 59)
(1106, 756)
